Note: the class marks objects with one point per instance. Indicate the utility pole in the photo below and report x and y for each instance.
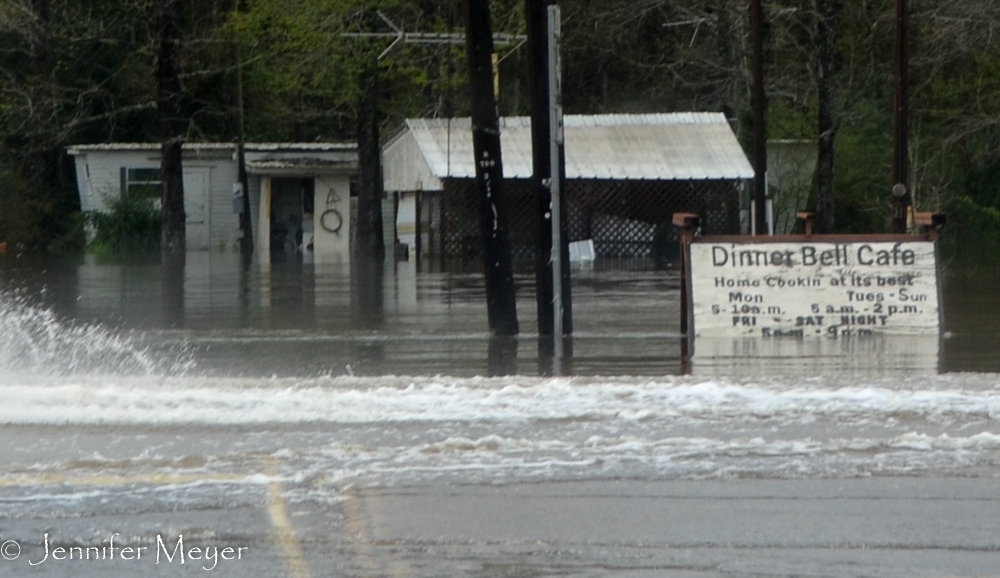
(548, 165)
(902, 196)
(500, 299)
(369, 241)
(759, 104)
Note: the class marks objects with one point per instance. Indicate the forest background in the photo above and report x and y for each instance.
(83, 71)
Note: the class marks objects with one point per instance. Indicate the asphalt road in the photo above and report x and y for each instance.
(252, 516)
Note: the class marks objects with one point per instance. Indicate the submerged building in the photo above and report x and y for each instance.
(300, 193)
(626, 176)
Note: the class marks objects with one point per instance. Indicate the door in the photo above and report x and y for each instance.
(197, 185)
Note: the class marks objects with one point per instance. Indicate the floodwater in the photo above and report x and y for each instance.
(339, 430)
(307, 320)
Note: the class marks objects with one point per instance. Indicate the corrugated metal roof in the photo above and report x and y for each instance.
(673, 146)
(214, 146)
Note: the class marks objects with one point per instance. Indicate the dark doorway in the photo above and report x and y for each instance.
(291, 200)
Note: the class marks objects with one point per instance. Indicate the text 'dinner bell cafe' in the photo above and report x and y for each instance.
(801, 287)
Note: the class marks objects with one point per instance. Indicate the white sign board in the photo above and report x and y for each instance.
(753, 355)
(811, 289)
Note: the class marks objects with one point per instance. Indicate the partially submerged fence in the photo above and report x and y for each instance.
(624, 218)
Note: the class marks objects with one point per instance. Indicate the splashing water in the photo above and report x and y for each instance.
(35, 341)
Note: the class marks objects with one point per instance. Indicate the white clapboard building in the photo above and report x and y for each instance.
(300, 193)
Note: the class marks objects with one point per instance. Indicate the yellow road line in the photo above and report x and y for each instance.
(359, 532)
(284, 532)
(359, 525)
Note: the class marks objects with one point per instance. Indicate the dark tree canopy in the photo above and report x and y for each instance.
(83, 71)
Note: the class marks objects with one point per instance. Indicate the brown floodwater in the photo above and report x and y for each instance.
(309, 319)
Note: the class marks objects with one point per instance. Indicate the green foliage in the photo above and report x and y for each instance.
(17, 222)
(972, 235)
(84, 74)
(131, 226)
(35, 222)
(304, 61)
(862, 178)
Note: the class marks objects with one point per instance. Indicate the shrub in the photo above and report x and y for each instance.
(973, 233)
(132, 225)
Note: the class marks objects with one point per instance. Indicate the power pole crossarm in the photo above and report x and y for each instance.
(400, 36)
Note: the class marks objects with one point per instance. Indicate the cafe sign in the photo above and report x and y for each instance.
(822, 286)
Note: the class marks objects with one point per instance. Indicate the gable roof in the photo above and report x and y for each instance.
(671, 146)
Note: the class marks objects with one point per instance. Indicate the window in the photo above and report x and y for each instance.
(141, 183)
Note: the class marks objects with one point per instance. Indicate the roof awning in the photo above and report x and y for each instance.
(300, 167)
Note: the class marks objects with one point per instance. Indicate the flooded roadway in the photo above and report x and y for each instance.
(266, 413)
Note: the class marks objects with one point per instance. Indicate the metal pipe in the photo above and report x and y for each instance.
(555, 142)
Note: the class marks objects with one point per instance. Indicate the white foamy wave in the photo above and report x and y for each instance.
(494, 458)
(34, 341)
(359, 400)
(688, 456)
(321, 471)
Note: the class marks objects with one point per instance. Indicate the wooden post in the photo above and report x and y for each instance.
(930, 223)
(498, 269)
(688, 224)
(809, 218)
(418, 243)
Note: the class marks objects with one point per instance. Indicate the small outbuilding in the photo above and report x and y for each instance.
(626, 176)
(300, 193)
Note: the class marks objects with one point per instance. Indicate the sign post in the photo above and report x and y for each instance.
(555, 184)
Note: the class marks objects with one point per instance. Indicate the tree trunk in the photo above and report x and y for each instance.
(826, 12)
(246, 221)
(369, 244)
(902, 191)
(172, 126)
(38, 161)
(759, 105)
(729, 60)
(500, 300)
